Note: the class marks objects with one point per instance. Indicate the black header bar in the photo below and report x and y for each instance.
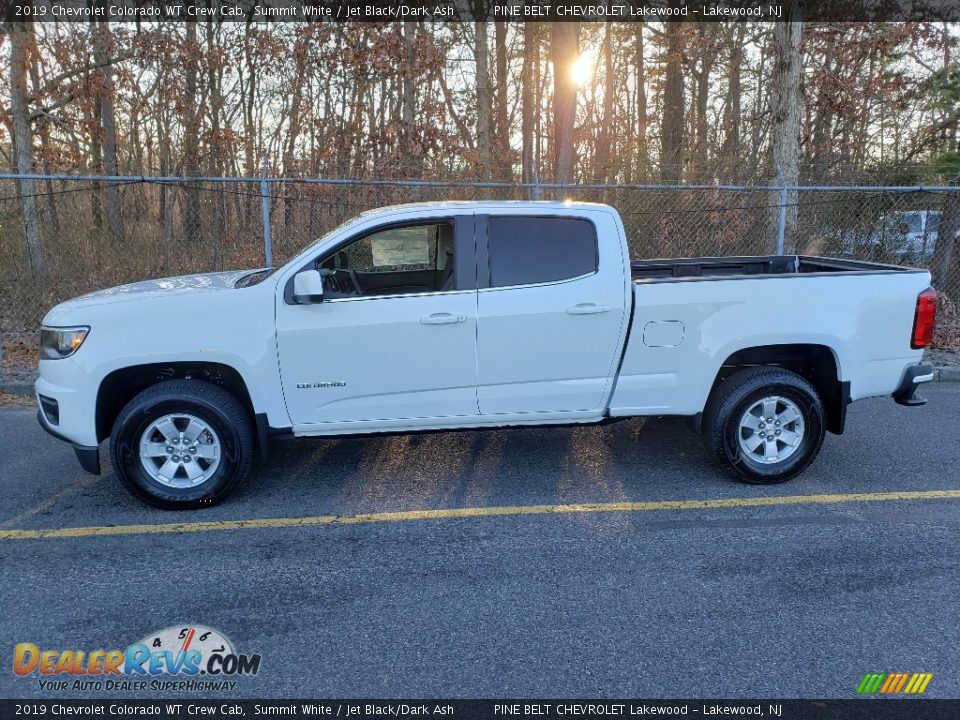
(469, 10)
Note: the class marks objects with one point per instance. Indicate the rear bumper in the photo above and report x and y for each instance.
(89, 457)
(913, 377)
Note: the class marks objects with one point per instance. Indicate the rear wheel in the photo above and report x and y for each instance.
(765, 424)
(182, 444)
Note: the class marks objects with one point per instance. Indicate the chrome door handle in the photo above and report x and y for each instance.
(587, 309)
(442, 319)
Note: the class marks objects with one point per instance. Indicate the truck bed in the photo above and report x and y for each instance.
(693, 268)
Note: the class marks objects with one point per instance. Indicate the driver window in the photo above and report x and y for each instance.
(394, 261)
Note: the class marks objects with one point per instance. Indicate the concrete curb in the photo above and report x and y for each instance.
(946, 374)
(17, 388)
(940, 374)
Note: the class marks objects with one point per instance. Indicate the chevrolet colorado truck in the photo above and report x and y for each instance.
(458, 315)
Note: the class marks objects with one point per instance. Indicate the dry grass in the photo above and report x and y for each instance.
(947, 336)
(8, 400)
(19, 350)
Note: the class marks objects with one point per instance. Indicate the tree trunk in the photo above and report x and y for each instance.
(643, 153)
(732, 110)
(819, 151)
(102, 50)
(294, 123)
(191, 137)
(216, 150)
(43, 133)
(701, 144)
(601, 169)
(165, 205)
(94, 128)
(758, 130)
(484, 98)
(21, 42)
(565, 47)
(412, 160)
(504, 165)
(785, 108)
(671, 149)
(531, 58)
(247, 95)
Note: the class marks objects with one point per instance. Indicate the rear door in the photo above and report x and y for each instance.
(551, 312)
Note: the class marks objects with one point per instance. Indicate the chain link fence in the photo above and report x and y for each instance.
(94, 233)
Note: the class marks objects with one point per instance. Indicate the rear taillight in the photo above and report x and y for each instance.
(924, 319)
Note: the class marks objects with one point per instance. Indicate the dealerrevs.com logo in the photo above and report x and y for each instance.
(188, 657)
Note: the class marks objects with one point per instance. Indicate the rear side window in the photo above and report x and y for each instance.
(529, 250)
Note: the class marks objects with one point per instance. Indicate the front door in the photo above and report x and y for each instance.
(394, 337)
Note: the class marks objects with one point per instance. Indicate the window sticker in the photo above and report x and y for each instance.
(403, 246)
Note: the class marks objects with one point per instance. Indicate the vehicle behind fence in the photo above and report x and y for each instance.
(98, 233)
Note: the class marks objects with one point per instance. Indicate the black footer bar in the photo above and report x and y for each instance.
(402, 709)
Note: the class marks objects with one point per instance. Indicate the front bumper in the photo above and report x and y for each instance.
(913, 377)
(89, 457)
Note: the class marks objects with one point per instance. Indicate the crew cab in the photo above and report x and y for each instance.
(475, 315)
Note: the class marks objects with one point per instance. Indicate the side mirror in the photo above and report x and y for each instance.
(307, 287)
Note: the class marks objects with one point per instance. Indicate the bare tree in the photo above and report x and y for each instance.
(530, 106)
(216, 152)
(643, 154)
(409, 99)
(504, 166)
(730, 152)
(565, 48)
(601, 169)
(786, 105)
(481, 59)
(102, 52)
(22, 43)
(671, 130)
(706, 52)
(46, 150)
(191, 134)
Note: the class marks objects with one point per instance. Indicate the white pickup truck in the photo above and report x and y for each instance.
(475, 315)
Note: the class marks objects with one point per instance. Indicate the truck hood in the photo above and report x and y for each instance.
(146, 289)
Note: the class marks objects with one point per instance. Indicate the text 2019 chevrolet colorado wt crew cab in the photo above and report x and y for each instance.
(473, 315)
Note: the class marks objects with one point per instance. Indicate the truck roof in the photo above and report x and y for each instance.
(492, 205)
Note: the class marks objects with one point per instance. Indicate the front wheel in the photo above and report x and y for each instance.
(765, 424)
(182, 444)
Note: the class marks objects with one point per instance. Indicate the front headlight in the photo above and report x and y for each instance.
(61, 342)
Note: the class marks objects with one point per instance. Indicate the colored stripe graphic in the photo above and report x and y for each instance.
(918, 683)
(913, 683)
(871, 683)
(894, 683)
(901, 682)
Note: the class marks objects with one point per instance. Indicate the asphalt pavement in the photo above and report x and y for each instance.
(791, 600)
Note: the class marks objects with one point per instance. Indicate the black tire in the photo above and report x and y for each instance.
(734, 396)
(213, 405)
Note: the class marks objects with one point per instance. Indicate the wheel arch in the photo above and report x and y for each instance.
(120, 386)
(817, 363)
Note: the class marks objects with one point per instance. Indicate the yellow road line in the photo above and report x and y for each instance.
(70, 489)
(473, 512)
